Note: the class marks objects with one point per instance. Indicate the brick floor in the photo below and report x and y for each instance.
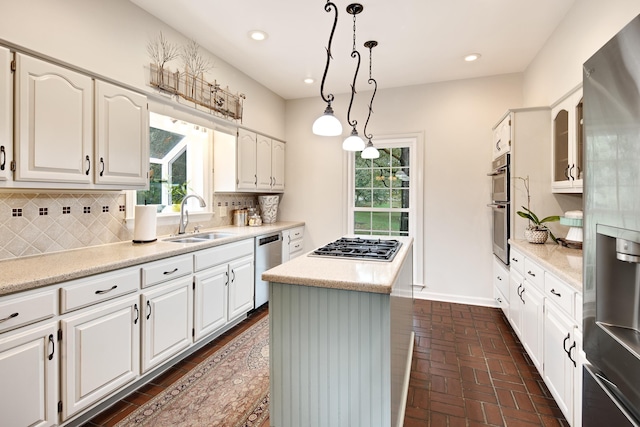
(469, 370)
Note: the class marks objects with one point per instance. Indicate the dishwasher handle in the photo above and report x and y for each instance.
(265, 240)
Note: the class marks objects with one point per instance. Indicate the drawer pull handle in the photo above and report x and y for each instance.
(499, 278)
(553, 291)
(135, 307)
(170, 272)
(531, 274)
(11, 316)
(53, 346)
(149, 307)
(104, 291)
(514, 259)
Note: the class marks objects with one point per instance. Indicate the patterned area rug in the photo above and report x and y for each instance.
(229, 389)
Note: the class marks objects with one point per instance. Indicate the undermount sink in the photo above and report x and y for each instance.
(198, 238)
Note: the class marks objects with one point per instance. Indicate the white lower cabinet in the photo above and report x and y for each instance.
(29, 372)
(100, 352)
(166, 321)
(210, 297)
(69, 347)
(526, 308)
(561, 355)
(501, 285)
(241, 286)
(546, 314)
(292, 243)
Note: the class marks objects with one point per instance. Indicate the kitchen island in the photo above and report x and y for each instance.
(341, 340)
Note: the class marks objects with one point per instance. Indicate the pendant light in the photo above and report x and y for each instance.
(328, 124)
(370, 152)
(353, 142)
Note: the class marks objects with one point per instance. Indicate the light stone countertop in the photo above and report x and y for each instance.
(341, 273)
(563, 262)
(32, 272)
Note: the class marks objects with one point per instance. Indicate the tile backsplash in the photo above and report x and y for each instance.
(38, 223)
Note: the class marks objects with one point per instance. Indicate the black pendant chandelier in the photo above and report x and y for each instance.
(328, 124)
(353, 141)
(370, 152)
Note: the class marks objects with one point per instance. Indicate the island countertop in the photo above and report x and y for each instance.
(342, 273)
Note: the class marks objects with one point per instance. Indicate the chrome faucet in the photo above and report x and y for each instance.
(185, 221)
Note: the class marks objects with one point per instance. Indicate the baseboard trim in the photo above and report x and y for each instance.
(459, 299)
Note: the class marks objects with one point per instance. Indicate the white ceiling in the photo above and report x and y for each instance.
(419, 41)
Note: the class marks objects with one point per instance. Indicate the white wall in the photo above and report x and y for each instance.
(558, 66)
(456, 120)
(109, 38)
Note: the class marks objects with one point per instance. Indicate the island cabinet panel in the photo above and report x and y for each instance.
(331, 364)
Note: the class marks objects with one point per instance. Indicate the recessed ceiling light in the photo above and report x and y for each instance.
(258, 35)
(472, 57)
(309, 80)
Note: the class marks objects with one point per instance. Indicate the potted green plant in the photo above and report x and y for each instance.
(178, 192)
(536, 232)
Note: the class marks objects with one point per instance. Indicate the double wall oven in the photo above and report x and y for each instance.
(500, 208)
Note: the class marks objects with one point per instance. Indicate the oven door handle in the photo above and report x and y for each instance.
(497, 205)
(498, 172)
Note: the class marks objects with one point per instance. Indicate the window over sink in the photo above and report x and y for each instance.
(178, 153)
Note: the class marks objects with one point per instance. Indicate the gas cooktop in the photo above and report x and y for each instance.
(359, 248)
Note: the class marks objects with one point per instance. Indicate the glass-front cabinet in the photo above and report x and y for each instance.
(567, 137)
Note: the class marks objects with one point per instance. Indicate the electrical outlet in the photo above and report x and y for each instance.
(223, 211)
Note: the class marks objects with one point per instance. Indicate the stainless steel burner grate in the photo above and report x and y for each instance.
(359, 248)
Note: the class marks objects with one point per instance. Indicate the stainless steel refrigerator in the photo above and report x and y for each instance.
(611, 83)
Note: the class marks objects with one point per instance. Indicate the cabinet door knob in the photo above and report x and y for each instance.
(53, 346)
(564, 343)
(135, 307)
(569, 354)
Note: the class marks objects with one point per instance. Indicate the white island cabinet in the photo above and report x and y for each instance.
(341, 341)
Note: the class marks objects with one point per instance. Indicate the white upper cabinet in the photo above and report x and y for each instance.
(263, 163)
(277, 165)
(567, 136)
(247, 157)
(252, 162)
(69, 134)
(54, 116)
(502, 138)
(6, 114)
(122, 135)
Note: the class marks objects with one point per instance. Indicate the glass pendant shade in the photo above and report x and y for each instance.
(353, 142)
(370, 152)
(327, 124)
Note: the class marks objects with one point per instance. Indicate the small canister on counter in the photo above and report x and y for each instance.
(240, 217)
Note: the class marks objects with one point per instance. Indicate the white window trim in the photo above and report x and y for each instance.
(416, 196)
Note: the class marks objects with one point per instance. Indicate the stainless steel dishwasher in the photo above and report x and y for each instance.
(268, 255)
